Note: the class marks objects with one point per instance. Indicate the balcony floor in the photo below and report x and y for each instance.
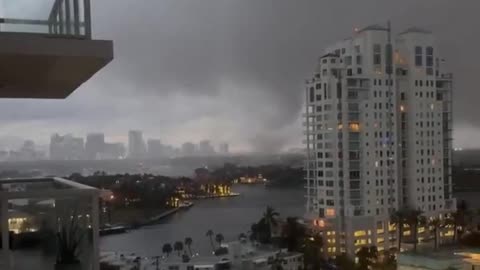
(45, 66)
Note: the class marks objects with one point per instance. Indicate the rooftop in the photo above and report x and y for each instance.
(373, 27)
(415, 30)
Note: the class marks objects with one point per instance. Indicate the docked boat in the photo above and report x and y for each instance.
(185, 204)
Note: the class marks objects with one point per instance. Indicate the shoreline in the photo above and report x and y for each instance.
(158, 218)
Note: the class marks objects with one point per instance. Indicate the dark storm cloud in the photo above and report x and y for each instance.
(234, 69)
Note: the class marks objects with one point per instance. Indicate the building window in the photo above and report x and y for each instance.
(359, 59)
(357, 48)
(429, 52)
(348, 60)
(418, 56)
(343, 50)
(377, 58)
(359, 71)
(349, 72)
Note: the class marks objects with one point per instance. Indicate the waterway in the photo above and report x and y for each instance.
(228, 216)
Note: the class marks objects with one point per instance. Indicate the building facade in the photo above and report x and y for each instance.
(136, 144)
(94, 145)
(66, 147)
(378, 136)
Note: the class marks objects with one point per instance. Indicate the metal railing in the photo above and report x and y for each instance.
(67, 18)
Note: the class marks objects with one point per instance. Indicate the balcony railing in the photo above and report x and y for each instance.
(66, 18)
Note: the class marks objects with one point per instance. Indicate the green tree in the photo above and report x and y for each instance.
(178, 247)
(219, 239)
(435, 224)
(188, 244)
(270, 216)
(209, 234)
(293, 234)
(312, 251)
(344, 262)
(459, 219)
(398, 218)
(242, 237)
(389, 261)
(167, 249)
(414, 219)
(367, 256)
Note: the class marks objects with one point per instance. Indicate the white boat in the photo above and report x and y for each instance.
(185, 204)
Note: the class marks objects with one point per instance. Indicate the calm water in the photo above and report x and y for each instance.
(229, 216)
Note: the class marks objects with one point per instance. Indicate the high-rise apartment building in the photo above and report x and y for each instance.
(223, 148)
(188, 149)
(378, 135)
(95, 145)
(136, 144)
(66, 147)
(205, 148)
(155, 148)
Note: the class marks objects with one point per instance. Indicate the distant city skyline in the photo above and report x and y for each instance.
(246, 91)
(96, 146)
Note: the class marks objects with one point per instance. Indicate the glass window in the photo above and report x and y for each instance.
(418, 56)
(357, 48)
(348, 60)
(377, 58)
(359, 59)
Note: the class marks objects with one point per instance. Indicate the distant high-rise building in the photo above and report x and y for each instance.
(113, 151)
(66, 147)
(223, 148)
(205, 148)
(94, 146)
(188, 149)
(378, 135)
(155, 148)
(136, 144)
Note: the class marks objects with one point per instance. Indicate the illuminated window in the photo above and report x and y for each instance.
(330, 212)
(360, 233)
(354, 127)
(402, 108)
(406, 233)
(380, 240)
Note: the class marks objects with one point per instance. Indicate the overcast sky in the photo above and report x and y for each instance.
(233, 70)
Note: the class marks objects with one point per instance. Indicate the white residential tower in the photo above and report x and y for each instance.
(378, 136)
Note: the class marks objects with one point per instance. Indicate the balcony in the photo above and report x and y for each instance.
(38, 208)
(46, 48)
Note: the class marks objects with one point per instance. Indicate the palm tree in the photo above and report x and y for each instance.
(415, 218)
(242, 237)
(178, 247)
(459, 219)
(167, 249)
(366, 257)
(398, 218)
(219, 239)
(209, 234)
(269, 217)
(436, 223)
(311, 249)
(188, 244)
(293, 234)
